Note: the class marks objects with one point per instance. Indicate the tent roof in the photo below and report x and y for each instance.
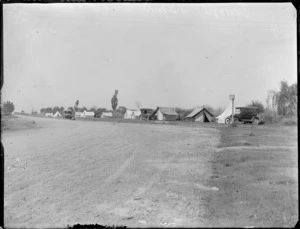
(247, 107)
(196, 111)
(167, 110)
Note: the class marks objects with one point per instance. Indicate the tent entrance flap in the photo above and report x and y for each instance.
(208, 117)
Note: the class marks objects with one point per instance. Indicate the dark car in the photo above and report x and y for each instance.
(245, 115)
(69, 114)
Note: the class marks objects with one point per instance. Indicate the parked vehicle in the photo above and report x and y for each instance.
(245, 115)
(68, 114)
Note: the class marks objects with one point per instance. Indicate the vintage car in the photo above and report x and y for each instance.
(68, 114)
(244, 114)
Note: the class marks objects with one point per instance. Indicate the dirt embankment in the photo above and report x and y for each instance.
(256, 171)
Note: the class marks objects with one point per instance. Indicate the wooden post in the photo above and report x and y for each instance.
(232, 97)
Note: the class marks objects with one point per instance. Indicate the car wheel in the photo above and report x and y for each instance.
(255, 121)
(227, 121)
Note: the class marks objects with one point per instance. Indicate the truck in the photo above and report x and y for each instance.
(68, 114)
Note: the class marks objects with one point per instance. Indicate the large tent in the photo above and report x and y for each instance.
(78, 114)
(226, 113)
(165, 113)
(136, 114)
(88, 114)
(200, 114)
(132, 114)
(57, 114)
(128, 114)
(49, 114)
(106, 115)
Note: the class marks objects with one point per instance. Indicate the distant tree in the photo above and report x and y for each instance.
(22, 111)
(61, 109)
(76, 105)
(271, 99)
(122, 109)
(183, 112)
(94, 109)
(71, 109)
(81, 109)
(258, 104)
(99, 112)
(49, 110)
(215, 111)
(114, 100)
(8, 107)
(286, 99)
(209, 108)
(55, 109)
(218, 111)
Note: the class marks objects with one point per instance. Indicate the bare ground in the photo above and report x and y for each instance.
(69, 172)
(63, 172)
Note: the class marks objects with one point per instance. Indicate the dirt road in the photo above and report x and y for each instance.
(66, 172)
(63, 172)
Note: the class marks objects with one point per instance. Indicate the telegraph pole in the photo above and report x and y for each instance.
(232, 97)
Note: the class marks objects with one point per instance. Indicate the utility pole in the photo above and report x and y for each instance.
(232, 97)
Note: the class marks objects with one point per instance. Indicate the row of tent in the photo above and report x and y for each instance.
(77, 114)
(199, 114)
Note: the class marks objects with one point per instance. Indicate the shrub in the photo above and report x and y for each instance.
(289, 121)
(269, 116)
(8, 107)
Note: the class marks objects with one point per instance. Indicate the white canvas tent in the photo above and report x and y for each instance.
(128, 114)
(106, 114)
(136, 114)
(78, 114)
(132, 114)
(226, 113)
(88, 114)
(49, 115)
(57, 114)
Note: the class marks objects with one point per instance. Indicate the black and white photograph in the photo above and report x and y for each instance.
(143, 114)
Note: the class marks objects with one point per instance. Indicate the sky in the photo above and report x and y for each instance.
(173, 55)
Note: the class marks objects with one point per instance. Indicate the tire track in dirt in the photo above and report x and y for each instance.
(122, 168)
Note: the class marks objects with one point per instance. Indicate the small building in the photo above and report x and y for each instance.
(57, 114)
(165, 113)
(86, 113)
(106, 115)
(145, 113)
(49, 115)
(200, 114)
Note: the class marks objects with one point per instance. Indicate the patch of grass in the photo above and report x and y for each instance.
(289, 121)
(13, 123)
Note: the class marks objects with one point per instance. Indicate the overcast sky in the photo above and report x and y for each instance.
(181, 55)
